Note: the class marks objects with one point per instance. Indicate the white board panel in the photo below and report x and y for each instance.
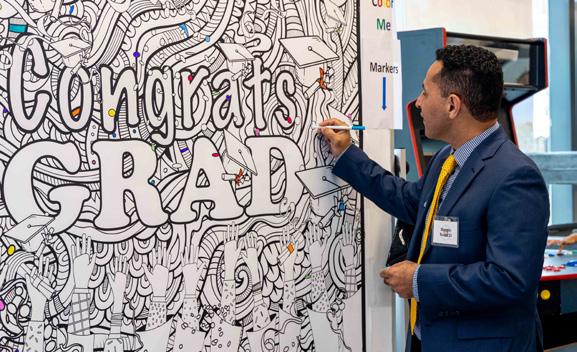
(162, 189)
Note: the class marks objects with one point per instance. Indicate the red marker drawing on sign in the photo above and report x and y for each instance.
(238, 177)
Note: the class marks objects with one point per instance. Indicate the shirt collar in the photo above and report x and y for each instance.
(463, 152)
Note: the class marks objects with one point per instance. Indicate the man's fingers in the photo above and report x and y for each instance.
(329, 122)
(328, 133)
(332, 122)
(384, 273)
(389, 276)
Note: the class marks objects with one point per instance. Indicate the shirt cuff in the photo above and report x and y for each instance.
(341, 154)
(415, 284)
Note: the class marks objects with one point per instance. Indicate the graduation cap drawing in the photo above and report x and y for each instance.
(30, 227)
(235, 52)
(72, 50)
(237, 155)
(308, 51)
(320, 181)
(29, 232)
(236, 55)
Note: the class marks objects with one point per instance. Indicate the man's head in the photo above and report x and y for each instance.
(462, 91)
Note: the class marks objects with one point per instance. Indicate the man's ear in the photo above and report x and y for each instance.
(454, 105)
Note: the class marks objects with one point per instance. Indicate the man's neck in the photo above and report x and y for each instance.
(466, 134)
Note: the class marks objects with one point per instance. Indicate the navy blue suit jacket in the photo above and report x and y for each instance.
(482, 295)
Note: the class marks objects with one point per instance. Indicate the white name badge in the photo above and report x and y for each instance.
(446, 232)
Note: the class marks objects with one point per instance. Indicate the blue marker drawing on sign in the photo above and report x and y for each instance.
(184, 29)
(384, 106)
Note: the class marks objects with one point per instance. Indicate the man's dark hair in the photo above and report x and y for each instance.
(475, 75)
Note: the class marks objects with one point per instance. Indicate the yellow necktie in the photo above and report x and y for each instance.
(446, 170)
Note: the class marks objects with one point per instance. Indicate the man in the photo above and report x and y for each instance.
(480, 213)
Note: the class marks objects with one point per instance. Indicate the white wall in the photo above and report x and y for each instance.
(504, 18)
(378, 235)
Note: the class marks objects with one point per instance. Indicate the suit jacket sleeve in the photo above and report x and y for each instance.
(394, 195)
(517, 218)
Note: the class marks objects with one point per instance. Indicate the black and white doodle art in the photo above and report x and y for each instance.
(162, 188)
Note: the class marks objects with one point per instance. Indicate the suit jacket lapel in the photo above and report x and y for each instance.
(415, 245)
(467, 174)
(471, 169)
(473, 166)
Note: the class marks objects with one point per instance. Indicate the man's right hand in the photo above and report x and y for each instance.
(339, 140)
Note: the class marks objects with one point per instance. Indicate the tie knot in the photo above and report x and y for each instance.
(449, 164)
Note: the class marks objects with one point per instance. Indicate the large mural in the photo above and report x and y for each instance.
(162, 187)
